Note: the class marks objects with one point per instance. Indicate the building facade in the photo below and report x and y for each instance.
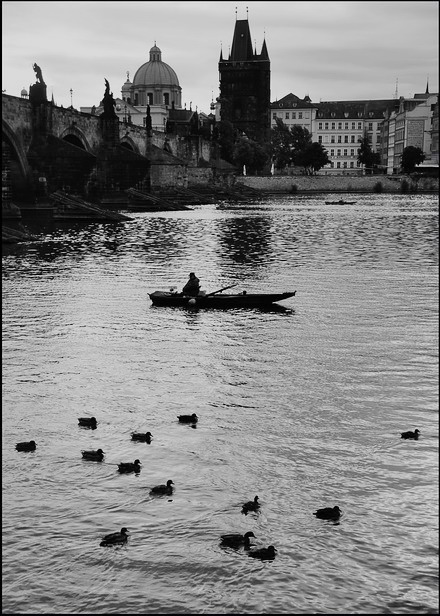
(244, 98)
(337, 125)
(390, 125)
(412, 123)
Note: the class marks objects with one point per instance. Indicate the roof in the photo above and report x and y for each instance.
(356, 109)
(155, 72)
(291, 100)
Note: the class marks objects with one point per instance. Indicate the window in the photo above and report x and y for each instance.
(352, 152)
(319, 139)
(346, 125)
(345, 152)
(274, 115)
(338, 165)
(352, 165)
(339, 139)
(346, 139)
(353, 126)
(166, 99)
(287, 115)
(319, 125)
(345, 164)
(332, 139)
(333, 125)
(359, 125)
(332, 152)
(294, 116)
(370, 125)
(332, 165)
(338, 153)
(326, 126)
(353, 139)
(300, 115)
(339, 125)
(150, 98)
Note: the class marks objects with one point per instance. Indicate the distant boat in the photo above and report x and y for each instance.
(340, 202)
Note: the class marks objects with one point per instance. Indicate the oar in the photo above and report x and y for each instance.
(220, 290)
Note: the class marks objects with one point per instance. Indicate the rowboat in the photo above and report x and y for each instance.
(340, 202)
(219, 300)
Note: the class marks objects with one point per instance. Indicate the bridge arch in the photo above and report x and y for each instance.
(128, 143)
(17, 152)
(75, 136)
(19, 171)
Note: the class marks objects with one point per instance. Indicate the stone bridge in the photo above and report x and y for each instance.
(50, 147)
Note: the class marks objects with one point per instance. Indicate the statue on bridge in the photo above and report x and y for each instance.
(108, 102)
(38, 73)
(37, 91)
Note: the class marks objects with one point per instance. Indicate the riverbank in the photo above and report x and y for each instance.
(339, 184)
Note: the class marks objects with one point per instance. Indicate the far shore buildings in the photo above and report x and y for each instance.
(390, 125)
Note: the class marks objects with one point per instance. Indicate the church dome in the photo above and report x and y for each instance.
(155, 72)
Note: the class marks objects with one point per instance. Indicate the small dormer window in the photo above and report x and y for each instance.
(346, 114)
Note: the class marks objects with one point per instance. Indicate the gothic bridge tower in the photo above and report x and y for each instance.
(245, 86)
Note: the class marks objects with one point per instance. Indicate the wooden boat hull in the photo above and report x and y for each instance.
(340, 202)
(222, 300)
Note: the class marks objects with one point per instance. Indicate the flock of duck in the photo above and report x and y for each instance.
(232, 540)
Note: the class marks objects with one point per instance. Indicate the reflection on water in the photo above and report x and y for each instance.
(302, 404)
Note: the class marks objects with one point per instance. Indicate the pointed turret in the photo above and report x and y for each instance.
(264, 54)
(241, 45)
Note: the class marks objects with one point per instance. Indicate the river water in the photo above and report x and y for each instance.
(302, 406)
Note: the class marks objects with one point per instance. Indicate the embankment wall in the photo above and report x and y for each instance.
(337, 184)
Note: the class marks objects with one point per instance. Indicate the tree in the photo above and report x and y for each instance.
(313, 157)
(281, 145)
(250, 153)
(366, 156)
(225, 134)
(301, 139)
(287, 142)
(411, 157)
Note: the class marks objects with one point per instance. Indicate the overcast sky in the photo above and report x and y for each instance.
(327, 50)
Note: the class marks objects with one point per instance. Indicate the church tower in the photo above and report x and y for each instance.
(245, 86)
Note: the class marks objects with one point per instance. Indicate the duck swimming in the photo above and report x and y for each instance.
(87, 422)
(142, 437)
(97, 456)
(188, 418)
(263, 553)
(250, 506)
(414, 435)
(129, 467)
(163, 489)
(115, 538)
(26, 446)
(235, 540)
(328, 513)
